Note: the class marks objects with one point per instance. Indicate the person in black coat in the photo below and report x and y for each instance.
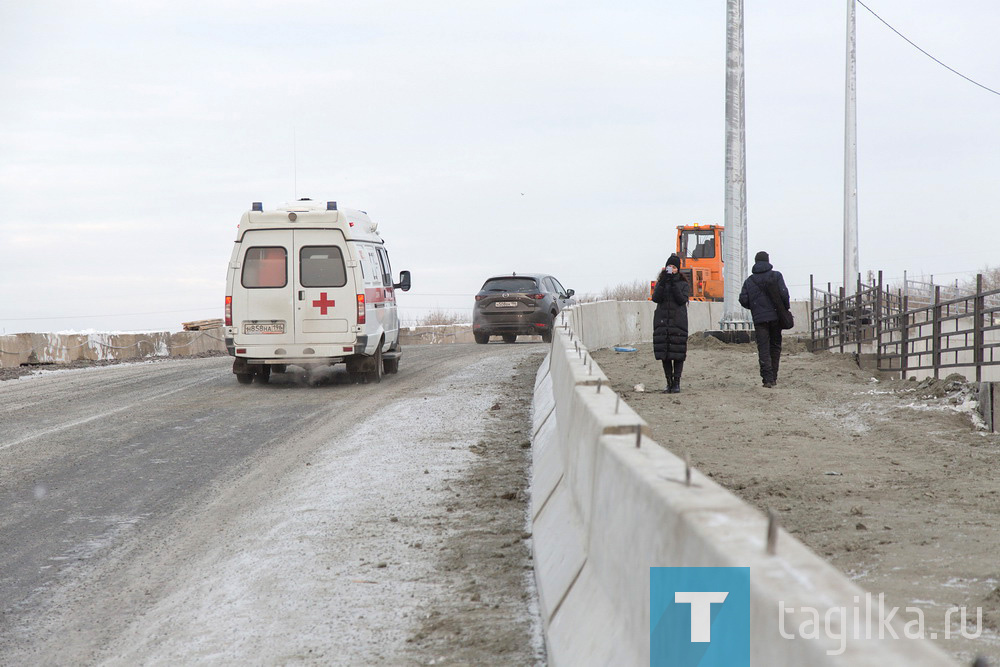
(670, 322)
(767, 327)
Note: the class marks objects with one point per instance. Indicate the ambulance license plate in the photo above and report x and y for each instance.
(505, 304)
(268, 328)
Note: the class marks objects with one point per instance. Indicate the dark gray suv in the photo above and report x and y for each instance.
(518, 304)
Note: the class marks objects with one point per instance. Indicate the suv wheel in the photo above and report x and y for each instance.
(481, 338)
(509, 338)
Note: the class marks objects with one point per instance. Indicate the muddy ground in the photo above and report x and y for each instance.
(487, 557)
(892, 481)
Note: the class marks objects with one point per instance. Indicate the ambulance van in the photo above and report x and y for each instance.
(310, 285)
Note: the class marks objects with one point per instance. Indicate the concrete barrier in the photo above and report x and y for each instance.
(48, 348)
(605, 510)
(437, 334)
(608, 323)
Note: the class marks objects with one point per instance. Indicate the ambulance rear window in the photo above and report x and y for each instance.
(265, 267)
(322, 266)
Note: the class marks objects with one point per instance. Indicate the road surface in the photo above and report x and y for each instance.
(162, 513)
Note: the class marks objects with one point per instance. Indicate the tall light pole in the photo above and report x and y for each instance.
(851, 268)
(734, 252)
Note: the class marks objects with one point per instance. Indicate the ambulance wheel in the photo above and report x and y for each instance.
(547, 336)
(509, 338)
(376, 374)
(263, 374)
(481, 338)
(244, 378)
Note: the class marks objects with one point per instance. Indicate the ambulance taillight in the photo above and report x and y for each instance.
(361, 309)
(229, 311)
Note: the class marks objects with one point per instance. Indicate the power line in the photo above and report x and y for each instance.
(910, 42)
(80, 317)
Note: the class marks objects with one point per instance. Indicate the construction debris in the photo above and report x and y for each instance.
(201, 325)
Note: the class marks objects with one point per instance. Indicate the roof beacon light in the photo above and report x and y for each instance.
(331, 206)
(257, 206)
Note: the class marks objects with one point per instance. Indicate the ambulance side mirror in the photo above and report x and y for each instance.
(404, 281)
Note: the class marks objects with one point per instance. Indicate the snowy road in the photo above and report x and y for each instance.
(160, 513)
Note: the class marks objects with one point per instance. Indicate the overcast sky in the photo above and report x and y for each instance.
(564, 137)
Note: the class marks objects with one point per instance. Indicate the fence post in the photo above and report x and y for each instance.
(878, 323)
(936, 333)
(812, 329)
(842, 316)
(859, 321)
(977, 324)
(904, 325)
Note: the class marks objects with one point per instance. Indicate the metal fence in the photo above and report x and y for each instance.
(962, 331)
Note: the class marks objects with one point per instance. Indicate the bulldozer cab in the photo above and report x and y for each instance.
(700, 250)
(697, 243)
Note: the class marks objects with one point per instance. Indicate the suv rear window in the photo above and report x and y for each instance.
(510, 285)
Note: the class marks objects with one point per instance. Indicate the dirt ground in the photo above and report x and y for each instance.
(892, 481)
(487, 556)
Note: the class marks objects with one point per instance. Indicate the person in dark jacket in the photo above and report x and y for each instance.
(670, 322)
(767, 328)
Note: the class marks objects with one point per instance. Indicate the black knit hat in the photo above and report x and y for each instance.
(675, 260)
(761, 257)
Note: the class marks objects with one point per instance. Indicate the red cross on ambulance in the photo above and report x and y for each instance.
(323, 303)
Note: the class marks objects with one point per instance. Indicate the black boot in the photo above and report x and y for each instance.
(675, 377)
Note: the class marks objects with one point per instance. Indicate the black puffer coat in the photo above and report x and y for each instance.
(670, 321)
(754, 293)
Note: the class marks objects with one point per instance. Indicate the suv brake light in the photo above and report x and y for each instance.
(361, 309)
(535, 296)
(229, 311)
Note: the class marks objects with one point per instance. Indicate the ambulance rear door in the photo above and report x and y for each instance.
(262, 289)
(326, 305)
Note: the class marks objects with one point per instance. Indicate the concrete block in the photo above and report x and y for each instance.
(543, 371)
(592, 415)
(546, 465)
(598, 324)
(189, 343)
(15, 350)
(545, 404)
(699, 317)
(587, 630)
(558, 541)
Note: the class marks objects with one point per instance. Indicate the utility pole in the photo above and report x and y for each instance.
(851, 160)
(734, 252)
